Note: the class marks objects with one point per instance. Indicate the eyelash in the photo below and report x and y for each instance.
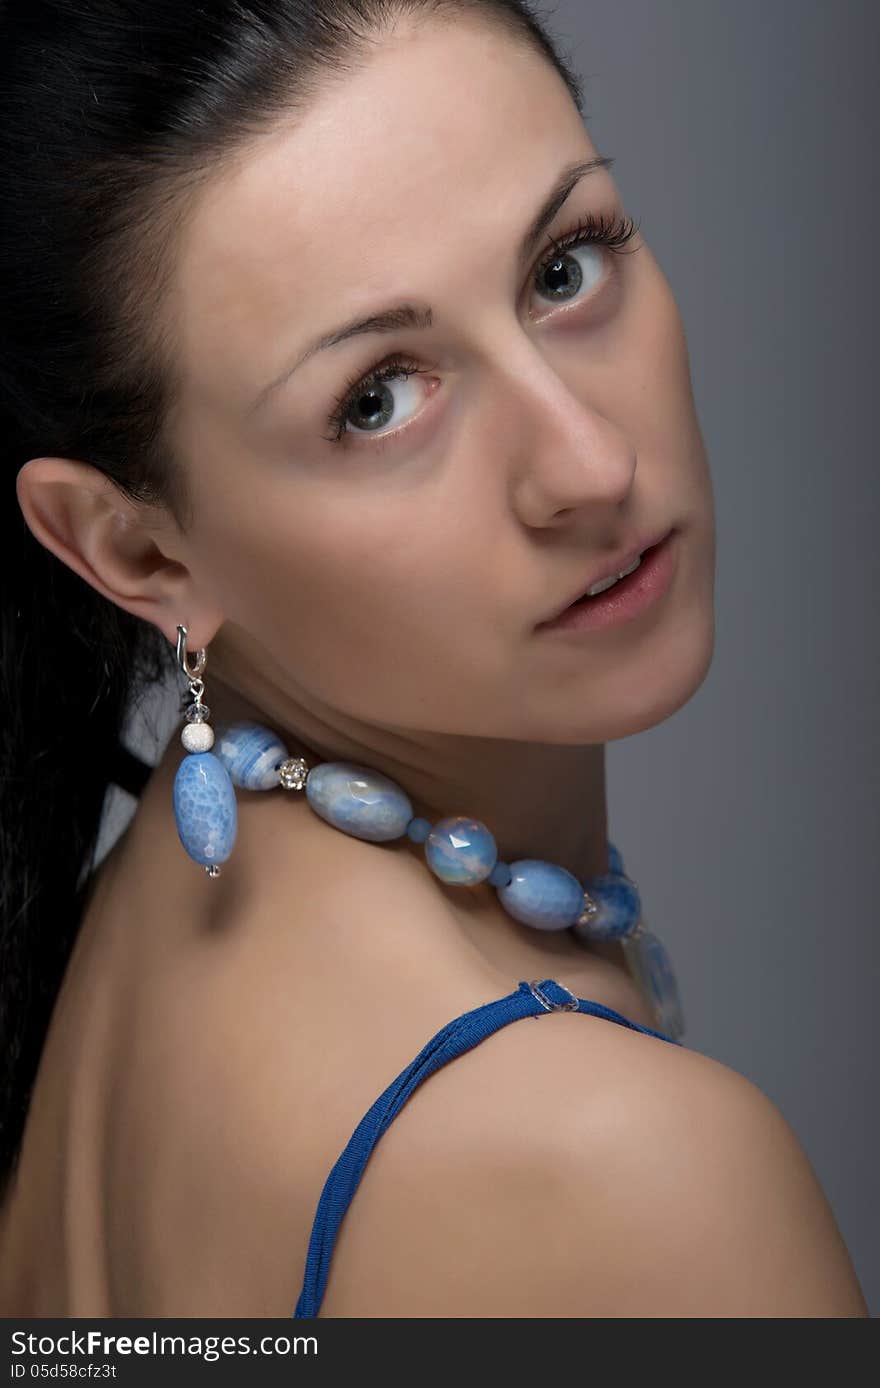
(613, 232)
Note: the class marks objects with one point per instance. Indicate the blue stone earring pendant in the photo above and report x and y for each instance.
(205, 809)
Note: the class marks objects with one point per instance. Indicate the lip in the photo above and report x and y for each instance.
(612, 566)
(624, 600)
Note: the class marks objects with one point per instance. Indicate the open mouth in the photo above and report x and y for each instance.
(613, 584)
(623, 598)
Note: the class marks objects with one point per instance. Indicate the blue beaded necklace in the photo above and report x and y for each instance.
(369, 805)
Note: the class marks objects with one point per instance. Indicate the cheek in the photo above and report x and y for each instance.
(367, 608)
(659, 404)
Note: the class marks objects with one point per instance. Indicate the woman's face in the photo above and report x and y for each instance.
(395, 575)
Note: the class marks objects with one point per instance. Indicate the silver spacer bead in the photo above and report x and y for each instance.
(213, 870)
(589, 911)
(293, 773)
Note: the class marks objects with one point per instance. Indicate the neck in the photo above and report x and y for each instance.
(537, 801)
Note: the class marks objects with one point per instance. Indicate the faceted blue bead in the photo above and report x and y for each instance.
(358, 801)
(460, 851)
(542, 895)
(250, 754)
(205, 808)
(652, 969)
(619, 904)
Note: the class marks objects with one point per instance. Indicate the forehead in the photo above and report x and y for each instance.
(445, 140)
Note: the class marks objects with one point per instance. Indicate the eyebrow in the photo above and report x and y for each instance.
(409, 315)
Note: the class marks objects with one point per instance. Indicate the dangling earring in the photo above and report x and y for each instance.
(205, 808)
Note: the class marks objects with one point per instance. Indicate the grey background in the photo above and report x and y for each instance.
(742, 131)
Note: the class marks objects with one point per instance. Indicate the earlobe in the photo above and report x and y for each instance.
(82, 517)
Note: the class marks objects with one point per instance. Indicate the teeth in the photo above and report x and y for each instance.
(601, 586)
(609, 582)
(632, 568)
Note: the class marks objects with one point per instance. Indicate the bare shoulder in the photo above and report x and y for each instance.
(564, 1166)
(573, 1167)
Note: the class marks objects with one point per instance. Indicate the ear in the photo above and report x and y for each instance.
(123, 550)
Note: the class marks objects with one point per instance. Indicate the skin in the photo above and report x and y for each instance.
(375, 601)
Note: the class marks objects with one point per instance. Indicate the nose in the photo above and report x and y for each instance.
(567, 453)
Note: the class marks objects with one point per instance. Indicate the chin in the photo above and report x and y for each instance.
(669, 667)
(676, 672)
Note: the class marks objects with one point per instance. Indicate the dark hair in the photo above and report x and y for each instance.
(111, 114)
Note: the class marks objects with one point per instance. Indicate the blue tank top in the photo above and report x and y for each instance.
(528, 1000)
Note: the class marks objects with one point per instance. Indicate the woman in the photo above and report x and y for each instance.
(358, 539)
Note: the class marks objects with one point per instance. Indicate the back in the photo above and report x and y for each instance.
(203, 1074)
(207, 1062)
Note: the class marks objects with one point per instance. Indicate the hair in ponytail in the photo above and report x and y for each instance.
(111, 115)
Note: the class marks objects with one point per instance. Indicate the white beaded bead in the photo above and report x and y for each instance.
(197, 737)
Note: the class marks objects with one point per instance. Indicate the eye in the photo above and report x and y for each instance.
(368, 397)
(562, 272)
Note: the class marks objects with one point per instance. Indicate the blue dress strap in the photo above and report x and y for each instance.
(529, 999)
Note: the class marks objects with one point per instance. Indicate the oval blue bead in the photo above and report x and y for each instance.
(542, 894)
(619, 904)
(460, 851)
(250, 754)
(359, 801)
(204, 808)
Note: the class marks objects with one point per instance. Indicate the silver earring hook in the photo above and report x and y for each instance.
(201, 657)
